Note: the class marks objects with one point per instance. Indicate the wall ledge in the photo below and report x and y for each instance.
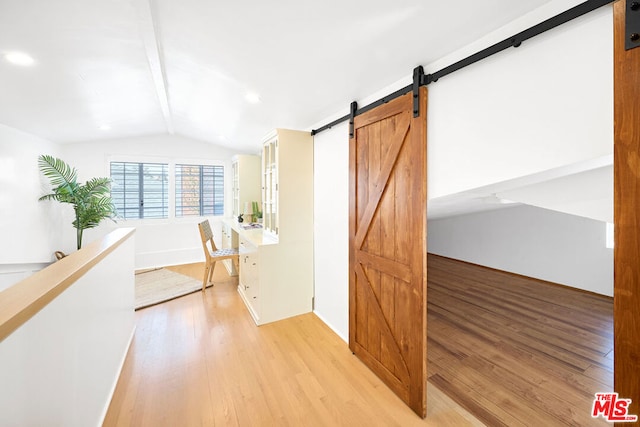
(23, 300)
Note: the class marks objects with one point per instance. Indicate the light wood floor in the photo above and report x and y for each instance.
(200, 360)
(516, 351)
(512, 351)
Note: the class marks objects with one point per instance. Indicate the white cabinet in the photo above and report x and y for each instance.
(276, 278)
(246, 184)
(287, 184)
(276, 264)
(249, 282)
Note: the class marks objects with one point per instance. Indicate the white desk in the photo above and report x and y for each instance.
(257, 236)
(276, 278)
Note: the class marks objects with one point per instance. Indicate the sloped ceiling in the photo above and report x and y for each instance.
(107, 69)
(120, 68)
(583, 189)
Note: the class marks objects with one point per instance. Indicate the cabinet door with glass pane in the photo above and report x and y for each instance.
(235, 190)
(270, 185)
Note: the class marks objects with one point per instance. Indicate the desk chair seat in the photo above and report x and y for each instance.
(212, 254)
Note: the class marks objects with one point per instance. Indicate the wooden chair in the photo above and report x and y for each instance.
(213, 254)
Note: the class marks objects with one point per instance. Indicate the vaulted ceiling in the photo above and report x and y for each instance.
(219, 71)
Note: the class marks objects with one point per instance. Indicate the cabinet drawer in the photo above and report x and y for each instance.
(252, 276)
(246, 246)
(248, 265)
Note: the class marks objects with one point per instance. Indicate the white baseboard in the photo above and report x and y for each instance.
(344, 338)
(115, 381)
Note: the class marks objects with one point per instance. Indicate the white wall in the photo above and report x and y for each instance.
(540, 243)
(546, 104)
(543, 105)
(331, 228)
(30, 229)
(60, 368)
(159, 242)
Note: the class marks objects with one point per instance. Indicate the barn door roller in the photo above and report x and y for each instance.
(632, 24)
(352, 117)
(418, 80)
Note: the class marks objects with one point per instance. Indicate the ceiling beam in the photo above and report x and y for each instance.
(148, 31)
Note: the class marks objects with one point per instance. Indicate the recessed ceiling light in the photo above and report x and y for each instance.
(104, 127)
(19, 58)
(252, 97)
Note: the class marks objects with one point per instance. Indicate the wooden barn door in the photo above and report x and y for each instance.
(387, 246)
(626, 166)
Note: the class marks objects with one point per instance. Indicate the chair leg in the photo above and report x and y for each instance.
(213, 266)
(206, 275)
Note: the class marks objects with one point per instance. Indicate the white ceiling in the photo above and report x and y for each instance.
(184, 66)
(146, 67)
(588, 194)
(584, 189)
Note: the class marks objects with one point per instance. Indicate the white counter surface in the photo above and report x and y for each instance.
(256, 236)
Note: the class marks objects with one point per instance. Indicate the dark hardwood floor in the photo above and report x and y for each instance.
(515, 351)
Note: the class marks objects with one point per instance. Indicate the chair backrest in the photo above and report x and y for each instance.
(206, 235)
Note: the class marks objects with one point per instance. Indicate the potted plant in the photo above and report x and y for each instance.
(257, 213)
(91, 201)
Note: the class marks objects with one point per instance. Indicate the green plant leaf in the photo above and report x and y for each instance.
(58, 172)
(91, 201)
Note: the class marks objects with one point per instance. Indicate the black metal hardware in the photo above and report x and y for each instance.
(384, 100)
(332, 124)
(418, 80)
(632, 24)
(352, 117)
(514, 41)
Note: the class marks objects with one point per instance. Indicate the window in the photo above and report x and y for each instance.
(199, 190)
(609, 235)
(140, 190)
